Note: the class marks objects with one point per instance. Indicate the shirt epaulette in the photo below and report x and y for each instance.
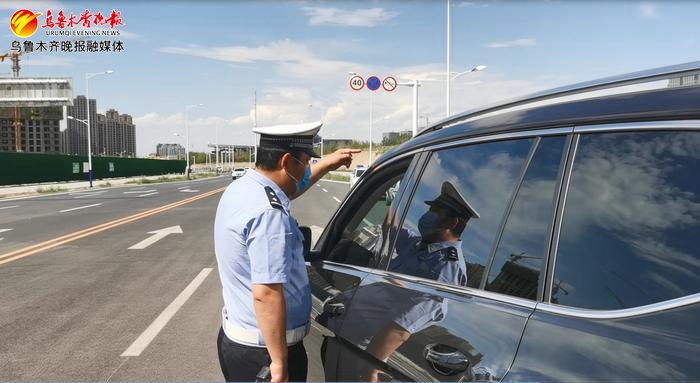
(451, 254)
(272, 197)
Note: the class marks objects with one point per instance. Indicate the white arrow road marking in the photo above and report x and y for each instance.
(146, 195)
(8, 207)
(337, 200)
(188, 191)
(4, 230)
(80, 207)
(139, 191)
(157, 236)
(159, 323)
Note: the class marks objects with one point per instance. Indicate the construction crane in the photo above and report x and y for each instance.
(16, 116)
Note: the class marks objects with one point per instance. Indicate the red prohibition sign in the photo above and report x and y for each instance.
(389, 84)
(357, 83)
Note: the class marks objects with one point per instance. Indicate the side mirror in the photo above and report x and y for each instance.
(309, 256)
(306, 231)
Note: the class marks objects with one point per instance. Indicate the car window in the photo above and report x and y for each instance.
(453, 219)
(359, 172)
(363, 236)
(516, 267)
(631, 221)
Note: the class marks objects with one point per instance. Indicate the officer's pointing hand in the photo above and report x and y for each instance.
(341, 157)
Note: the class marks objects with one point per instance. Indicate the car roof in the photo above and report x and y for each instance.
(678, 103)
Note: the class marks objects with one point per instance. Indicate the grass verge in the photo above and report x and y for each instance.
(50, 189)
(336, 177)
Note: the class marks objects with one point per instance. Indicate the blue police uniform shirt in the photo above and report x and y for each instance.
(431, 261)
(374, 305)
(257, 241)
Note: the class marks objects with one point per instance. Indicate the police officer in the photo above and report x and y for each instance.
(259, 251)
(435, 252)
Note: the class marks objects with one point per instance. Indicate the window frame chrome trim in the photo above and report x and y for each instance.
(559, 131)
(639, 126)
(622, 313)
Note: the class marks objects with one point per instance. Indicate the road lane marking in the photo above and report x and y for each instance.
(337, 200)
(5, 230)
(183, 187)
(159, 323)
(62, 240)
(139, 191)
(188, 191)
(146, 195)
(141, 188)
(88, 192)
(80, 207)
(8, 207)
(324, 190)
(157, 236)
(89, 195)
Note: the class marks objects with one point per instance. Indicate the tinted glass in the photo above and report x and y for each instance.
(521, 252)
(629, 235)
(365, 232)
(483, 177)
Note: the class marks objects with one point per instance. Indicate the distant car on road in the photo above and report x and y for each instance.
(356, 174)
(237, 173)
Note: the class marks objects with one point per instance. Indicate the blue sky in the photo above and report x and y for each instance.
(297, 54)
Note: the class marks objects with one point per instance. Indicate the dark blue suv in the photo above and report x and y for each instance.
(550, 238)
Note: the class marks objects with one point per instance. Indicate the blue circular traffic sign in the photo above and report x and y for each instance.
(373, 83)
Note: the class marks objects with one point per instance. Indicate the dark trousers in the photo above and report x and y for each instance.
(241, 363)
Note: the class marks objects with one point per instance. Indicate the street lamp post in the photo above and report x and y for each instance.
(414, 84)
(448, 73)
(88, 76)
(450, 78)
(187, 139)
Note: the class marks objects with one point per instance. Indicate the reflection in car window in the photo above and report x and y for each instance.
(465, 219)
(363, 236)
(631, 221)
(515, 269)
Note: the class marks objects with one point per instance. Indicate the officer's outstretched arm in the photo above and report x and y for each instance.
(270, 311)
(333, 161)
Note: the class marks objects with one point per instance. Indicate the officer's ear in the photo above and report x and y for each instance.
(284, 160)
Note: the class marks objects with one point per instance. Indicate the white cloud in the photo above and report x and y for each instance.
(293, 59)
(649, 10)
(368, 17)
(524, 42)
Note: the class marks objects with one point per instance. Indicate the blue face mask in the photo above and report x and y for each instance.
(303, 183)
(426, 224)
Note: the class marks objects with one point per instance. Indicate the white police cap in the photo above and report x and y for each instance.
(291, 137)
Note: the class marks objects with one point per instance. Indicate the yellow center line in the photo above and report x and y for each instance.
(50, 244)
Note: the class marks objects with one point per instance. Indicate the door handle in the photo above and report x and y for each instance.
(445, 360)
(334, 307)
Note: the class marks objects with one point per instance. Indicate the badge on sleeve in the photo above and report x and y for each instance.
(272, 197)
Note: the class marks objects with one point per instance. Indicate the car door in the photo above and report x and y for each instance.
(350, 246)
(623, 299)
(424, 323)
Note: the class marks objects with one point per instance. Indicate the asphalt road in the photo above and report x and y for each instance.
(78, 304)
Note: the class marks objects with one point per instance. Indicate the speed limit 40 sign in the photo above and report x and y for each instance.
(357, 83)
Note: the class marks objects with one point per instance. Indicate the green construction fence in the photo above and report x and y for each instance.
(29, 168)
